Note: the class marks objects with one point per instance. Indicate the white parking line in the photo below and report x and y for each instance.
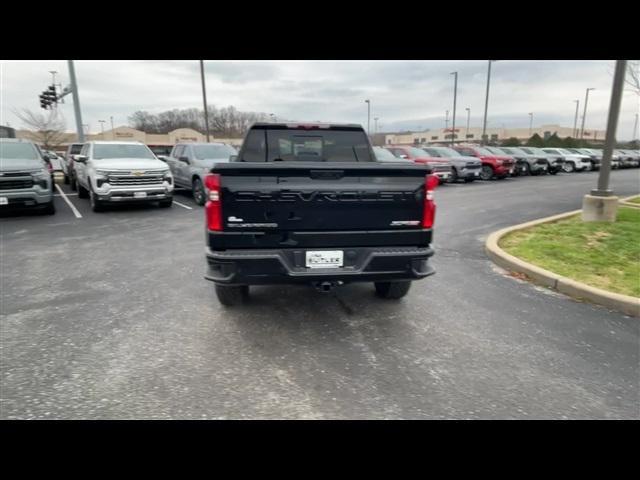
(183, 206)
(73, 209)
(67, 194)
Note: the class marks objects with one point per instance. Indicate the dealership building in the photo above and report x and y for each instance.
(157, 141)
(474, 135)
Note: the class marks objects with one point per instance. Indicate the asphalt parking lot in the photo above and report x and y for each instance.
(107, 316)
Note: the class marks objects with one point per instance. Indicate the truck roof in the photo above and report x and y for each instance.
(309, 125)
(107, 142)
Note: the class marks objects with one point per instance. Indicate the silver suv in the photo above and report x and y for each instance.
(109, 172)
(25, 180)
(191, 162)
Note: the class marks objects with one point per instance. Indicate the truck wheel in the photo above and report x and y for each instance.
(198, 192)
(569, 167)
(82, 192)
(165, 203)
(72, 183)
(454, 175)
(50, 209)
(526, 169)
(486, 173)
(96, 205)
(469, 180)
(230, 296)
(393, 290)
(66, 179)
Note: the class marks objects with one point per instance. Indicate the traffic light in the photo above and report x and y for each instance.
(48, 97)
(43, 101)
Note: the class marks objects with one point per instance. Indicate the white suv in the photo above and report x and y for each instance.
(573, 162)
(122, 172)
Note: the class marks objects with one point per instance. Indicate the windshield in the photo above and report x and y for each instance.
(534, 151)
(565, 151)
(115, 150)
(19, 151)
(207, 152)
(443, 152)
(484, 151)
(494, 151)
(75, 148)
(384, 155)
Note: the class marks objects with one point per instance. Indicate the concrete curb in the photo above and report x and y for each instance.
(627, 203)
(623, 303)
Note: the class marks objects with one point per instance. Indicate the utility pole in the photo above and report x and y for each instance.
(204, 99)
(584, 115)
(468, 118)
(486, 105)
(601, 205)
(368, 102)
(635, 128)
(575, 120)
(375, 128)
(455, 96)
(102, 127)
(446, 122)
(530, 123)
(76, 100)
(113, 133)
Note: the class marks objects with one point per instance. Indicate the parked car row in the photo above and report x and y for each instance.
(470, 162)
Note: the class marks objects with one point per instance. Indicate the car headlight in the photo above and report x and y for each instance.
(41, 178)
(102, 173)
(167, 177)
(499, 162)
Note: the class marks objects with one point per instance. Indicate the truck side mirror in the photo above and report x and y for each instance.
(184, 159)
(80, 158)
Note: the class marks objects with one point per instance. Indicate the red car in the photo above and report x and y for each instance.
(441, 168)
(493, 166)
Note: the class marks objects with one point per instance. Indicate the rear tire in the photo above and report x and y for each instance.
(230, 296)
(486, 173)
(392, 290)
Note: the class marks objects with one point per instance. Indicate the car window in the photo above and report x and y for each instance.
(178, 151)
(19, 151)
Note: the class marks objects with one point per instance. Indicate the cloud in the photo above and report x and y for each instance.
(401, 92)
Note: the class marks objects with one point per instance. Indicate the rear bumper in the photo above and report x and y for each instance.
(361, 264)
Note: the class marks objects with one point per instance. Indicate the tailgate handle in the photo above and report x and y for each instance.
(326, 174)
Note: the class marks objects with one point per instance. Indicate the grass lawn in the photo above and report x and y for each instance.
(635, 200)
(600, 254)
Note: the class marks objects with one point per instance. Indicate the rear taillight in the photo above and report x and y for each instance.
(429, 214)
(213, 207)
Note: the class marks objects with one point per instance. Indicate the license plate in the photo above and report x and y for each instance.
(4, 201)
(139, 194)
(477, 174)
(324, 259)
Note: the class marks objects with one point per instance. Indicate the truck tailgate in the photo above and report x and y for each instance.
(315, 203)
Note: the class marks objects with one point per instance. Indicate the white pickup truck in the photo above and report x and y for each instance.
(110, 172)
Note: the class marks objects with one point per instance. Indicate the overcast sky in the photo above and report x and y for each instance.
(407, 94)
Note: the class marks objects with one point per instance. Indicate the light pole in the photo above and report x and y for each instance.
(272, 117)
(575, 120)
(102, 127)
(375, 126)
(446, 122)
(455, 97)
(635, 128)
(486, 104)
(113, 133)
(584, 114)
(468, 118)
(530, 123)
(368, 102)
(76, 100)
(204, 99)
(601, 205)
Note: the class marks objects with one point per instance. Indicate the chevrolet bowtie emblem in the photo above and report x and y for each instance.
(137, 173)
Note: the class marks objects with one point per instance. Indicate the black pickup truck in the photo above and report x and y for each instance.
(309, 203)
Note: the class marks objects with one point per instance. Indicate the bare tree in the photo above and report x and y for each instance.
(633, 76)
(48, 129)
